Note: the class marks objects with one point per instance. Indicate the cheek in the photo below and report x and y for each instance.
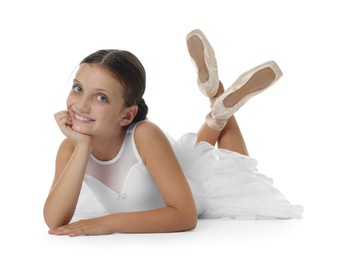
(71, 100)
(68, 101)
(108, 117)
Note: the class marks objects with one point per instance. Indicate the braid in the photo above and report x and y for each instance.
(142, 111)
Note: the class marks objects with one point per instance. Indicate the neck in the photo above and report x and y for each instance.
(107, 148)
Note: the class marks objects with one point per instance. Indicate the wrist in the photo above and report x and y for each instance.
(84, 146)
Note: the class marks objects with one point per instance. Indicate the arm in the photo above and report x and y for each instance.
(180, 212)
(71, 163)
(178, 215)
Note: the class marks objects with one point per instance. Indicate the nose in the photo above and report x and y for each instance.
(83, 105)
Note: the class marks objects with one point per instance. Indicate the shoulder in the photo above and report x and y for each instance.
(147, 129)
(149, 138)
(149, 133)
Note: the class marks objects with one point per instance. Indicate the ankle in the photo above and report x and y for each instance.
(214, 123)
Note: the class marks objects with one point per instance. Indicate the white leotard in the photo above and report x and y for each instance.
(223, 183)
(124, 184)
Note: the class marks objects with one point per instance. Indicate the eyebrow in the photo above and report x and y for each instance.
(97, 89)
(102, 90)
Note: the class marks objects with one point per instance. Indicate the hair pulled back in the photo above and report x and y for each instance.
(127, 68)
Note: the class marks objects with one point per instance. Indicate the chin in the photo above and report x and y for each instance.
(81, 129)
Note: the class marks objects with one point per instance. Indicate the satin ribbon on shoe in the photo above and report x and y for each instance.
(246, 86)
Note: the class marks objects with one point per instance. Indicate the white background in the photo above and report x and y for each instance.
(292, 129)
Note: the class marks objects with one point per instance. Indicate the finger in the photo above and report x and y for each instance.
(72, 229)
(61, 231)
(63, 120)
(60, 114)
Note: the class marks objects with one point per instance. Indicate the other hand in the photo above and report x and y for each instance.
(95, 226)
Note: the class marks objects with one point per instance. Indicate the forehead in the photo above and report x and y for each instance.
(97, 76)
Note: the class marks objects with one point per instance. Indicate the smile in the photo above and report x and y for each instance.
(82, 119)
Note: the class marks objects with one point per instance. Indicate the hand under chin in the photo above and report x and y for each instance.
(79, 129)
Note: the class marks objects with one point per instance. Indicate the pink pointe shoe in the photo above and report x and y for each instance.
(203, 57)
(246, 86)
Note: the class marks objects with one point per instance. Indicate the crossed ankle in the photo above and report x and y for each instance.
(214, 123)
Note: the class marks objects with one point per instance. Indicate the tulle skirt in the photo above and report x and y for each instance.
(227, 184)
(224, 184)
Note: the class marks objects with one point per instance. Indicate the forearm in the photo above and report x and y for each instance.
(166, 219)
(62, 199)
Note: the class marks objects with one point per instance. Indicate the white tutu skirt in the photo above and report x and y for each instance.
(227, 184)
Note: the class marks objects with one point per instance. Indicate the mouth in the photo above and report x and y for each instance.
(81, 118)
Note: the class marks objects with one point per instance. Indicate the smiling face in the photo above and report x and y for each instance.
(96, 103)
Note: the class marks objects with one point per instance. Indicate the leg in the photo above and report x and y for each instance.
(229, 138)
(206, 133)
(221, 126)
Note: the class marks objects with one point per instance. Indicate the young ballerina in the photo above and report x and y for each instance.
(145, 181)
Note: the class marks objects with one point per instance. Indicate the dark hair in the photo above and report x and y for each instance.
(129, 70)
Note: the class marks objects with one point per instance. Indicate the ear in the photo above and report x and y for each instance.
(128, 115)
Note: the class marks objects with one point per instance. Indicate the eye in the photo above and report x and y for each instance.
(102, 98)
(77, 89)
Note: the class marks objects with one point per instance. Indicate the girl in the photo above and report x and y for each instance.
(146, 181)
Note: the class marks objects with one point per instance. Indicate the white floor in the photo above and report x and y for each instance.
(219, 239)
(292, 129)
